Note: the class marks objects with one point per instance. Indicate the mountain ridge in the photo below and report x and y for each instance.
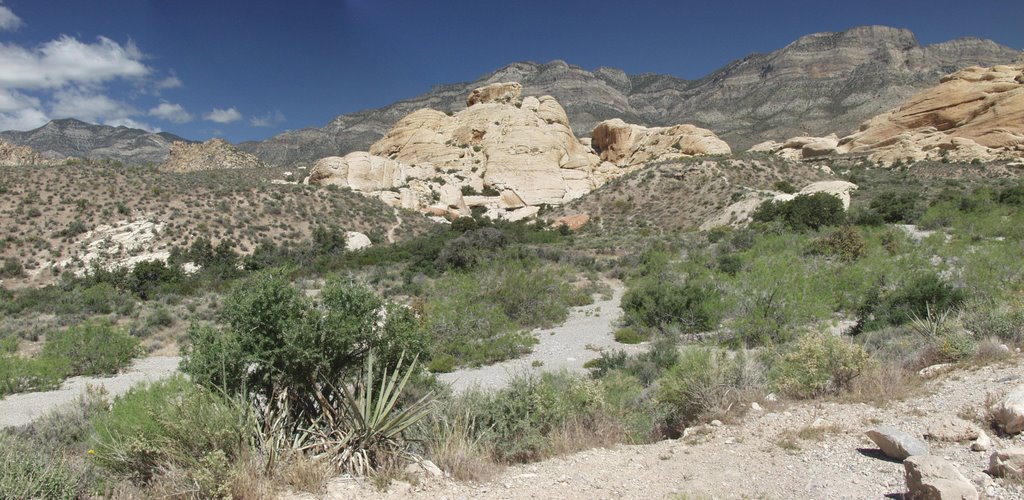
(70, 137)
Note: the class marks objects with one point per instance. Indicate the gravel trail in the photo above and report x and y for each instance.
(21, 409)
(589, 330)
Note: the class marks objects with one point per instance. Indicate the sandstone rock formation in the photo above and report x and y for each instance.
(973, 113)
(214, 154)
(1009, 412)
(505, 155)
(625, 144)
(1007, 463)
(12, 155)
(799, 148)
(818, 84)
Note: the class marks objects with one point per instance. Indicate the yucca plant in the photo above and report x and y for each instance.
(361, 429)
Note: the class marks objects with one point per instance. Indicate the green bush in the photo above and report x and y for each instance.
(630, 335)
(659, 304)
(895, 207)
(846, 243)
(730, 264)
(92, 348)
(805, 212)
(816, 365)
(174, 425)
(924, 292)
(18, 374)
(27, 473)
(276, 339)
(785, 187)
(1012, 195)
(522, 418)
(12, 268)
(705, 384)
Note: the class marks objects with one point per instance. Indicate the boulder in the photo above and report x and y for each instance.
(356, 241)
(932, 478)
(839, 189)
(1007, 463)
(360, 171)
(983, 443)
(1009, 412)
(897, 444)
(952, 429)
(935, 370)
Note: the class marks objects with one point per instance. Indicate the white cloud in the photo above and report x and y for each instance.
(25, 119)
(87, 106)
(171, 82)
(269, 120)
(8, 20)
(128, 122)
(12, 100)
(223, 115)
(66, 60)
(171, 112)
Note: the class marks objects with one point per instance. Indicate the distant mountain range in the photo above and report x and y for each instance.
(819, 84)
(75, 138)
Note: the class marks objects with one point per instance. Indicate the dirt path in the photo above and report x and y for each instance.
(20, 409)
(398, 223)
(588, 331)
(757, 458)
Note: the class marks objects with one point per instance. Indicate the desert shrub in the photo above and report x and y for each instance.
(944, 335)
(896, 207)
(923, 293)
(276, 339)
(706, 384)
(92, 348)
(816, 365)
(151, 276)
(785, 187)
(18, 374)
(659, 304)
(1013, 195)
(805, 212)
(730, 264)
(864, 217)
(174, 425)
(103, 298)
(1005, 325)
(471, 247)
(12, 268)
(523, 418)
(630, 335)
(846, 243)
(26, 472)
(472, 333)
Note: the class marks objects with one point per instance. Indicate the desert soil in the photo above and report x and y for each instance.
(757, 457)
(588, 331)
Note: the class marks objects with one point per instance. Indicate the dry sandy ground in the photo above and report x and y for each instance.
(20, 409)
(757, 458)
(588, 331)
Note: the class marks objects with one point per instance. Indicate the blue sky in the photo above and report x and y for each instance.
(250, 69)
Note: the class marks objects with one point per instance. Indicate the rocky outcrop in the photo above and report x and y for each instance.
(800, 148)
(12, 155)
(214, 154)
(623, 144)
(505, 155)
(1007, 463)
(975, 113)
(819, 84)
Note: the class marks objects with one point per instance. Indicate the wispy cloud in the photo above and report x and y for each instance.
(8, 20)
(171, 112)
(268, 120)
(223, 115)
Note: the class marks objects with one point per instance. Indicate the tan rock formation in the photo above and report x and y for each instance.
(521, 147)
(738, 214)
(973, 113)
(501, 92)
(572, 222)
(13, 155)
(214, 154)
(624, 144)
(799, 148)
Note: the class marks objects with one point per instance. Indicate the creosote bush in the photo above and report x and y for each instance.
(805, 212)
(816, 364)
